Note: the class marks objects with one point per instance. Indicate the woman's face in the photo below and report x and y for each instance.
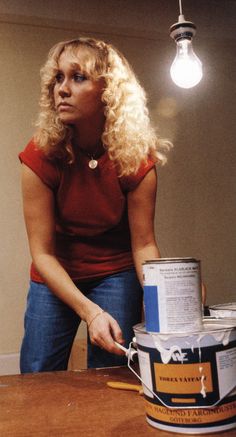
(77, 98)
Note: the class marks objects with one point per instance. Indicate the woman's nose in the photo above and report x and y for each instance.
(64, 89)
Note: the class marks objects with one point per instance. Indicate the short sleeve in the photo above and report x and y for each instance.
(47, 169)
(130, 182)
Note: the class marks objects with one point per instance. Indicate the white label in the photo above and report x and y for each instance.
(145, 371)
(226, 365)
(179, 296)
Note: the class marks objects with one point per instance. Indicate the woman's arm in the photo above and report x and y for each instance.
(141, 205)
(141, 210)
(38, 204)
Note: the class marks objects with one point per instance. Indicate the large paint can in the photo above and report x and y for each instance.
(172, 295)
(223, 310)
(189, 380)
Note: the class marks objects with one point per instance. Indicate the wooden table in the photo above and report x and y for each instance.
(75, 403)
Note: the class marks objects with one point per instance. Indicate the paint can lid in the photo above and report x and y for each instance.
(210, 324)
(169, 260)
(224, 306)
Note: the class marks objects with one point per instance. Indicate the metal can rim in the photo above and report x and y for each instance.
(169, 260)
(224, 306)
(225, 324)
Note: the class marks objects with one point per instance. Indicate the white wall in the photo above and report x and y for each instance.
(196, 208)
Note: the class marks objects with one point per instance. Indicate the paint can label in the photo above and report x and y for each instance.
(172, 295)
(192, 377)
(189, 379)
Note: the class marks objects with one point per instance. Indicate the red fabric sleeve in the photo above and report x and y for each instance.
(47, 169)
(129, 183)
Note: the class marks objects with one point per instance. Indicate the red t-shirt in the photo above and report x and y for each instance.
(92, 229)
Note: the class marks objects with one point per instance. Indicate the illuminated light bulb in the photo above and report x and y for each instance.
(186, 69)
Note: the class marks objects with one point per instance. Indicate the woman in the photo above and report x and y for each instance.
(89, 186)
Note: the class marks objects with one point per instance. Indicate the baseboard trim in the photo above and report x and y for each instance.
(9, 364)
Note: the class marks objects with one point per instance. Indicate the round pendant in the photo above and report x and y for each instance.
(92, 164)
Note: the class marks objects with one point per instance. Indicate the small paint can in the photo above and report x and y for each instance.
(189, 379)
(223, 310)
(172, 295)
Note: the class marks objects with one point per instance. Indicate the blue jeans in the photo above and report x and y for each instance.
(51, 326)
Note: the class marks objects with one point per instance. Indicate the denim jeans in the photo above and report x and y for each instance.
(51, 326)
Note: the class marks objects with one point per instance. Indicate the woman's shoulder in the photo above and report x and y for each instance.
(46, 168)
(131, 181)
(32, 151)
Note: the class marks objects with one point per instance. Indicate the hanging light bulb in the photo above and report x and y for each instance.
(186, 69)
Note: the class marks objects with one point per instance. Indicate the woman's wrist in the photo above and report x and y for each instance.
(88, 311)
(99, 313)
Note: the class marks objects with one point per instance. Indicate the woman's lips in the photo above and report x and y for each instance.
(64, 105)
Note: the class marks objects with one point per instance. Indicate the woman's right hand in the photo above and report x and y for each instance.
(104, 331)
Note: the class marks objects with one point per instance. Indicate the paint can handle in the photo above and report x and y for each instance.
(129, 355)
(131, 352)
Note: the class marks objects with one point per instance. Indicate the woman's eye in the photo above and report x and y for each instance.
(78, 77)
(59, 77)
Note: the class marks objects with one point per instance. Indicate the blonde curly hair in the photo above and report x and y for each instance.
(128, 134)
